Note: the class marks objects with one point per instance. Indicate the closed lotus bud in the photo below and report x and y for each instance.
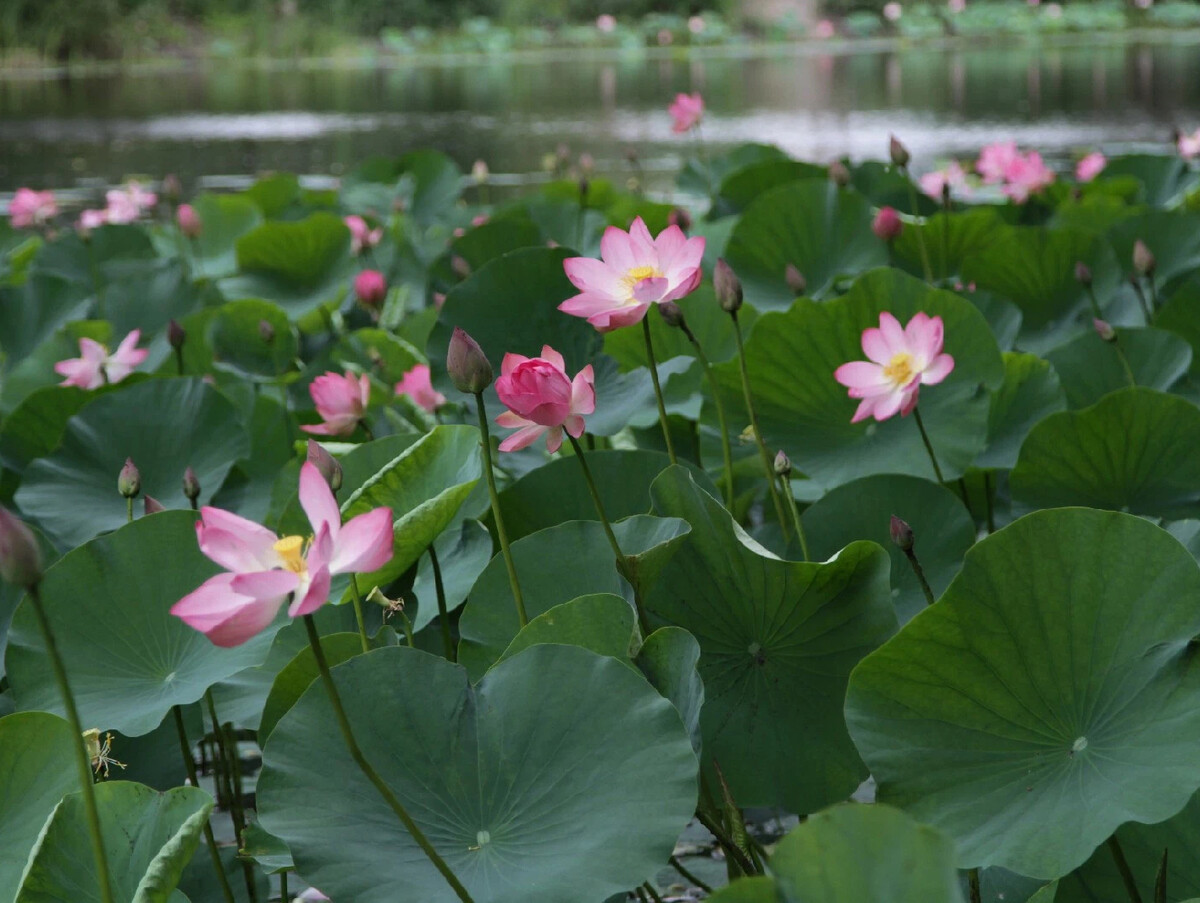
(479, 172)
(266, 331)
(191, 485)
(129, 480)
(795, 280)
(1104, 330)
(783, 464)
(459, 265)
(176, 335)
(681, 218)
(151, 505)
(672, 313)
(20, 556)
(189, 221)
(1143, 260)
(1083, 273)
(898, 152)
(467, 365)
(839, 174)
(728, 287)
(370, 288)
(902, 534)
(326, 463)
(887, 224)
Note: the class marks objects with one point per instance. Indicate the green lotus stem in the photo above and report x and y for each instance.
(1118, 855)
(731, 849)
(408, 631)
(362, 424)
(1124, 362)
(1153, 292)
(643, 622)
(688, 876)
(443, 615)
(928, 445)
(912, 199)
(83, 761)
(179, 360)
(227, 749)
(652, 891)
(786, 486)
(966, 497)
(1091, 293)
(356, 598)
(335, 701)
(189, 765)
(221, 777)
(973, 886)
(283, 887)
(726, 448)
(768, 467)
(920, 572)
(497, 516)
(1141, 295)
(658, 394)
(987, 496)
(129, 509)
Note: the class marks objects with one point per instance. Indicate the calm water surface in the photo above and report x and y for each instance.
(227, 119)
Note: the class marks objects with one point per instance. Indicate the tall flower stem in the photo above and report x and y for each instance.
(227, 750)
(189, 765)
(928, 445)
(768, 467)
(443, 616)
(82, 759)
(920, 573)
(786, 482)
(1141, 296)
(912, 199)
(658, 394)
(726, 449)
(1118, 855)
(356, 598)
(335, 701)
(643, 622)
(973, 886)
(221, 776)
(987, 495)
(505, 550)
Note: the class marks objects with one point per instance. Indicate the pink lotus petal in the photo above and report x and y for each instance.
(364, 543)
(316, 498)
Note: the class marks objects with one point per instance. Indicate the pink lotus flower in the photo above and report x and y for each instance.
(92, 219)
(416, 385)
(31, 208)
(1028, 175)
(125, 205)
(824, 30)
(362, 235)
(263, 570)
(605, 23)
(952, 177)
(686, 112)
(95, 366)
(188, 220)
(1090, 166)
(996, 160)
(370, 288)
(892, 11)
(1188, 145)
(634, 272)
(341, 400)
(887, 224)
(902, 359)
(542, 400)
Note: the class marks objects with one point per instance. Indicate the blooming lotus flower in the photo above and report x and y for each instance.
(1188, 145)
(341, 399)
(953, 177)
(125, 205)
(1028, 175)
(1090, 166)
(902, 359)
(92, 219)
(417, 386)
(362, 235)
(542, 400)
(31, 208)
(634, 272)
(606, 23)
(996, 160)
(686, 112)
(95, 366)
(264, 570)
(887, 224)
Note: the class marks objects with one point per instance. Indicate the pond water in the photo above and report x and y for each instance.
(228, 120)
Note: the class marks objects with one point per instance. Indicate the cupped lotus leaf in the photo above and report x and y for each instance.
(1164, 178)
(148, 837)
(863, 509)
(602, 622)
(462, 554)
(552, 737)
(1048, 697)
(224, 218)
(811, 224)
(791, 358)
(556, 565)
(1172, 236)
(949, 240)
(668, 658)
(1031, 392)
(1090, 367)
(1134, 450)
(435, 183)
(127, 657)
(37, 768)
(273, 194)
(778, 640)
(238, 344)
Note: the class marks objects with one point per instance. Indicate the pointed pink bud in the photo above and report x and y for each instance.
(839, 175)
(672, 313)
(176, 335)
(1104, 330)
(783, 464)
(1083, 273)
(191, 485)
(887, 224)
(795, 280)
(370, 288)
(898, 152)
(1143, 260)
(129, 480)
(326, 463)
(902, 534)
(20, 555)
(728, 287)
(467, 365)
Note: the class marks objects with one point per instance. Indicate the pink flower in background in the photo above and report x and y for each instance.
(605, 23)
(995, 161)
(1028, 175)
(542, 400)
(370, 288)
(824, 30)
(362, 235)
(887, 224)
(634, 272)
(956, 6)
(263, 570)
(341, 399)
(952, 177)
(696, 24)
(1188, 145)
(1090, 166)
(416, 385)
(892, 11)
(188, 220)
(902, 359)
(31, 208)
(686, 112)
(92, 219)
(95, 366)
(125, 205)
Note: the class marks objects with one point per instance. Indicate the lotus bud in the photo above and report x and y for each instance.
(459, 265)
(20, 555)
(176, 335)
(189, 221)
(898, 152)
(479, 172)
(887, 224)
(266, 331)
(467, 365)
(129, 480)
(151, 505)
(370, 288)
(1104, 330)
(839, 175)
(1143, 260)
(728, 287)
(1083, 273)
(172, 188)
(795, 280)
(902, 534)
(681, 218)
(672, 313)
(191, 485)
(783, 464)
(326, 463)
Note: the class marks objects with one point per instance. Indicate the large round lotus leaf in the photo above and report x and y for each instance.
(224, 218)
(1134, 450)
(127, 657)
(164, 425)
(668, 658)
(811, 224)
(550, 740)
(1090, 368)
(1048, 697)
(32, 312)
(1173, 238)
(804, 411)
(1031, 391)
(148, 838)
(553, 566)
(602, 622)
(949, 240)
(236, 338)
(37, 767)
(778, 640)
(740, 188)
(486, 242)
(863, 510)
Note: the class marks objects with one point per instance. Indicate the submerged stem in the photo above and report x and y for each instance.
(509, 563)
(189, 765)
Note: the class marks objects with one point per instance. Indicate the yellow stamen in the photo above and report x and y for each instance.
(899, 370)
(636, 275)
(291, 550)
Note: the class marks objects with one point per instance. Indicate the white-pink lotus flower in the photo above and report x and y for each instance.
(1090, 166)
(31, 208)
(1188, 145)
(902, 359)
(634, 272)
(340, 399)
(95, 366)
(952, 177)
(686, 112)
(263, 571)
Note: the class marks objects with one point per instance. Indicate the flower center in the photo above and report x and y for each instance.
(638, 275)
(899, 370)
(291, 550)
